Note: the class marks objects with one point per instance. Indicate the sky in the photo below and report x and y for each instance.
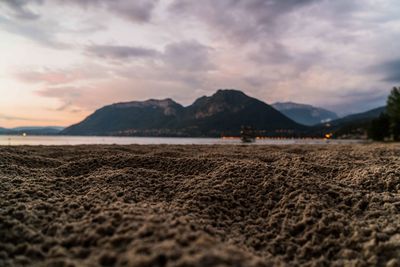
(62, 59)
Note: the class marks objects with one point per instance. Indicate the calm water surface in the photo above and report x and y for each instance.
(92, 140)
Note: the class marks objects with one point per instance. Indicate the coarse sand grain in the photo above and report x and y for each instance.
(190, 205)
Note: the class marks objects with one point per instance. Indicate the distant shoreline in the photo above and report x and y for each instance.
(110, 140)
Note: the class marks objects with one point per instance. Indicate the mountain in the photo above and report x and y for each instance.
(223, 113)
(360, 117)
(353, 126)
(129, 118)
(227, 110)
(38, 130)
(32, 130)
(305, 114)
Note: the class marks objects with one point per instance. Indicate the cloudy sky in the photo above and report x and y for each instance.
(62, 59)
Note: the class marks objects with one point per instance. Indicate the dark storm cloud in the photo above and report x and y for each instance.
(121, 52)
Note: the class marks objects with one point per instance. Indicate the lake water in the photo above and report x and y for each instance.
(6, 140)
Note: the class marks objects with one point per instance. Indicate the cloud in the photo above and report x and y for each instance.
(189, 56)
(184, 55)
(87, 98)
(293, 32)
(280, 35)
(17, 118)
(68, 96)
(18, 17)
(62, 76)
(390, 69)
(272, 53)
(137, 11)
(354, 100)
(312, 51)
(121, 52)
(56, 92)
(177, 70)
(185, 63)
(20, 9)
(242, 20)
(41, 32)
(49, 77)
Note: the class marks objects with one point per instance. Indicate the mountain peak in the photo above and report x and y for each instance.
(222, 100)
(229, 95)
(229, 92)
(163, 103)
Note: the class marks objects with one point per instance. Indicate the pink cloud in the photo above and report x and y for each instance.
(49, 77)
(61, 76)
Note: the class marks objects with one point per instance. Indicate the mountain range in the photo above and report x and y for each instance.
(305, 114)
(359, 117)
(32, 130)
(222, 114)
(354, 125)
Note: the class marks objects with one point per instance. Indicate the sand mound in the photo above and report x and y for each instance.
(200, 206)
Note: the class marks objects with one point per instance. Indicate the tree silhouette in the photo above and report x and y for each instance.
(393, 111)
(379, 128)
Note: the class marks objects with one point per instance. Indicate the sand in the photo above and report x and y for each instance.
(329, 205)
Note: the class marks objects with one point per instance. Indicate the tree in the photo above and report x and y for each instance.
(393, 111)
(379, 128)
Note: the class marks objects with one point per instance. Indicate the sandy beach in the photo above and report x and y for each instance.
(161, 205)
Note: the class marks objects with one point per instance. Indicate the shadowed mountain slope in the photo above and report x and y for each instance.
(223, 113)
